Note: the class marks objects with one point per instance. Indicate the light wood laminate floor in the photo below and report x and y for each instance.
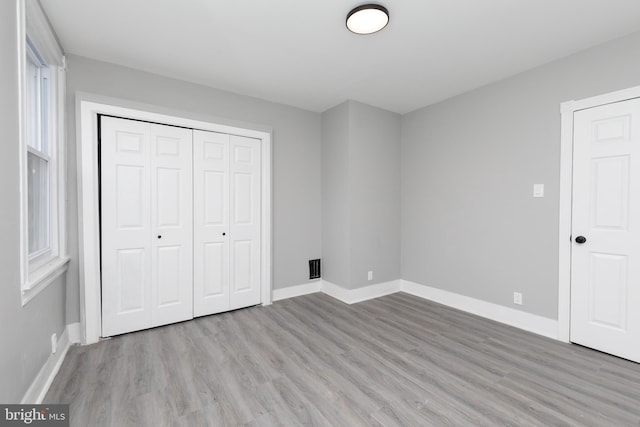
(312, 360)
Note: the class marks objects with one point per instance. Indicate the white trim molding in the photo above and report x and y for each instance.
(41, 383)
(88, 107)
(40, 32)
(43, 277)
(607, 98)
(567, 110)
(297, 290)
(564, 221)
(347, 296)
(353, 296)
(509, 316)
(75, 334)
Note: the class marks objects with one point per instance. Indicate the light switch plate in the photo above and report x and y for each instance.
(538, 190)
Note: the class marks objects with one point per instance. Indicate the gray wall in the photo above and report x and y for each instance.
(374, 186)
(336, 227)
(360, 195)
(296, 157)
(469, 222)
(25, 331)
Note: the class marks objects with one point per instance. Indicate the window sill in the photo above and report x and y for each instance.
(42, 277)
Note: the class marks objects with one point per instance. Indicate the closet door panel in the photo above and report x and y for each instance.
(172, 224)
(125, 226)
(244, 221)
(211, 222)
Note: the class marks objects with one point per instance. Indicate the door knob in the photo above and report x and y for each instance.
(224, 234)
(581, 239)
(159, 236)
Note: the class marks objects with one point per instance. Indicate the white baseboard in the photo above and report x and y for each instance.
(348, 296)
(298, 290)
(75, 334)
(40, 385)
(520, 319)
(352, 296)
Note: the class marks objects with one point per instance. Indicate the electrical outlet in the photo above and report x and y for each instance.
(370, 275)
(54, 343)
(517, 298)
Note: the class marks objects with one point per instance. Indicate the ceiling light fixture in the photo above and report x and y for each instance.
(367, 19)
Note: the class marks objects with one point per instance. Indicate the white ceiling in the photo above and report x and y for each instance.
(299, 52)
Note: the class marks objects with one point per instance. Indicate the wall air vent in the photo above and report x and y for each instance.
(314, 269)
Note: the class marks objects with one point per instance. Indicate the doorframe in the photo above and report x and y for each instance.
(567, 110)
(88, 107)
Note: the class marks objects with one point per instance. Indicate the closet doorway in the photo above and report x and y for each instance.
(236, 270)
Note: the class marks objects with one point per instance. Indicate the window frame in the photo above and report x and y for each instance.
(44, 150)
(37, 39)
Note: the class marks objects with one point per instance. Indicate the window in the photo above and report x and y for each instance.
(38, 157)
(42, 156)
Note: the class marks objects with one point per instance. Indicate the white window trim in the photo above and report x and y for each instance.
(35, 277)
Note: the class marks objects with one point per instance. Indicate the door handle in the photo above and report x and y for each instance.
(581, 239)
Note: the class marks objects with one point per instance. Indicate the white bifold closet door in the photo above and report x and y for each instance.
(227, 191)
(147, 225)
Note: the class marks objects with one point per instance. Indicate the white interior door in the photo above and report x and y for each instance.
(146, 217)
(126, 226)
(172, 224)
(211, 222)
(227, 222)
(244, 227)
(605, 270)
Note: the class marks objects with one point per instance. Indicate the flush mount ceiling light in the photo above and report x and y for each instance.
(367, 19)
